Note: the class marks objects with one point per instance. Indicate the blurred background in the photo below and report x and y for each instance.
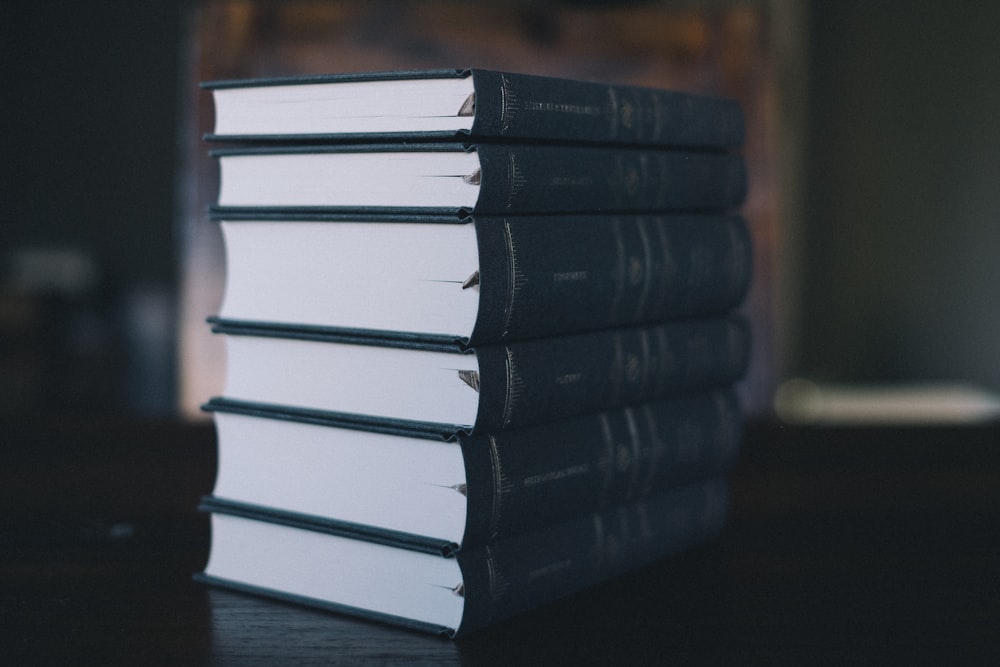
(873, 148)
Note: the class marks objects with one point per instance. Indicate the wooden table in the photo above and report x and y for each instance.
(844, 546)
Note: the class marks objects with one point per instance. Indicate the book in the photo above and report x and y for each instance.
(482, 388)
(480, 279)
(461, 103)
(447, 490)
(482, 178)
(310, 562)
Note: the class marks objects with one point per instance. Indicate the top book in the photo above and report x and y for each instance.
(469, 103)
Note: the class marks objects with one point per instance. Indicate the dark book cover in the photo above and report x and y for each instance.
(563, 274)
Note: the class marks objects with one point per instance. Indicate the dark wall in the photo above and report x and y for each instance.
(902, 263)
(88, 257)
(90, 124)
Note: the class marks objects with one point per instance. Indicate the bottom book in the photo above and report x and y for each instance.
(307, 560)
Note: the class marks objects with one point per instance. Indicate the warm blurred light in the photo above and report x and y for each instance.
(801, 401)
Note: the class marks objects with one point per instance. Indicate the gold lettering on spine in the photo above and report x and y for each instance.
(508, 105)
(491, 575)
(570, 276)
(508, 405)
(568, 378)
(515, 179)
(515, 278)
(498, 583)
(501, 487)
(514, 387)
(555, 475)
(561, 108)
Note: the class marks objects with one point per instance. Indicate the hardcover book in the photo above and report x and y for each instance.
(481, 279)
(479, 177)
(481, 388)
(464, 103)
(447, 490)
(309, 561)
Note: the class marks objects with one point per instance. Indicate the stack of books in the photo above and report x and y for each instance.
(481, 336)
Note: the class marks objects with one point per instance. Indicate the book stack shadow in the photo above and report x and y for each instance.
(482, 338)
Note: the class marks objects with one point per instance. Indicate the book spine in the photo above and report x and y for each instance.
(559, 274)
(524, 106)
(521, 573)
(536, 178)
(534, 381)
(527, 478)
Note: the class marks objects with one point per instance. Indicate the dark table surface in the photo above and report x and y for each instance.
(845, 545)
